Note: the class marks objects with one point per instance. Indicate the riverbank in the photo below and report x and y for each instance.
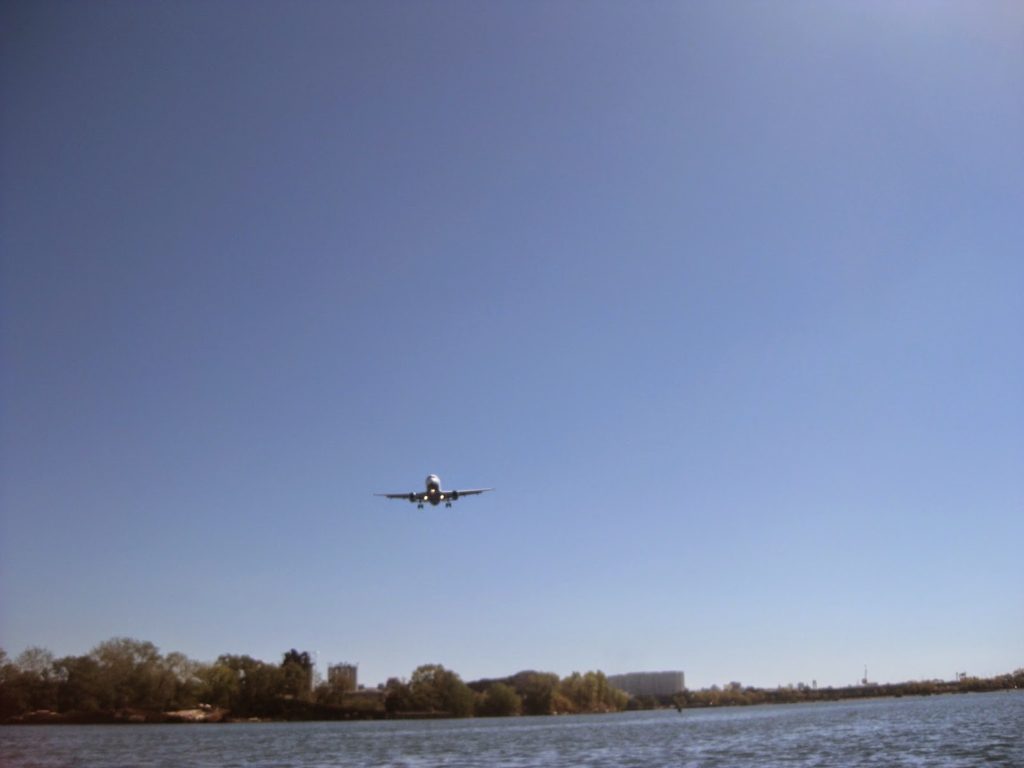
(738, 695)
(121, 716)
(128, 681)
(202, 715)
(212, 715)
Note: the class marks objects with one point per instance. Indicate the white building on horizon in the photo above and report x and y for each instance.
(650, 683)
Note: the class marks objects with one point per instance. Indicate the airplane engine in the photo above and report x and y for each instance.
(455, 495)
(412, 497)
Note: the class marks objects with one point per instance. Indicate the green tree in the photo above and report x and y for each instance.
(297, 675)
(397, 696)
(500, 700)
(458, 699)
(182, 674)
(537, 690)
(256, 689)
(15, 688)
(433, 688)
(263, 689)
(35, 682)
(82, 684)
(131, 675)
(219, 685)
(425, 688)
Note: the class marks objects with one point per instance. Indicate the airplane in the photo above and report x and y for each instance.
(433, 494)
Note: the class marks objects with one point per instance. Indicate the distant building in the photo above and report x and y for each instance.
(343, 677)
(649, 683)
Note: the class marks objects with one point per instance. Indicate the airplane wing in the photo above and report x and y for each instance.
(412, 496)
(471, 491)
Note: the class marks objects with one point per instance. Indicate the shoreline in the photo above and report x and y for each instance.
(222, 717)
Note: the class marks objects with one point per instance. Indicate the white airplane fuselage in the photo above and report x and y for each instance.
(434, 493)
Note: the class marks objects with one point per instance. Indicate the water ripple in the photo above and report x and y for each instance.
(943, 731)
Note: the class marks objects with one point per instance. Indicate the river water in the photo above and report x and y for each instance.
(960, 730)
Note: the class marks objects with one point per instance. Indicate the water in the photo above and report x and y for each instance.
(965, 730)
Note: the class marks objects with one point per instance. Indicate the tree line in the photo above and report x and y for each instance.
(125, 679)
(434, 689)
(128, 679)
(123, 674)
(736, 694)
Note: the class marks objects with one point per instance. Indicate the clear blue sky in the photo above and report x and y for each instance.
(726, 299)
